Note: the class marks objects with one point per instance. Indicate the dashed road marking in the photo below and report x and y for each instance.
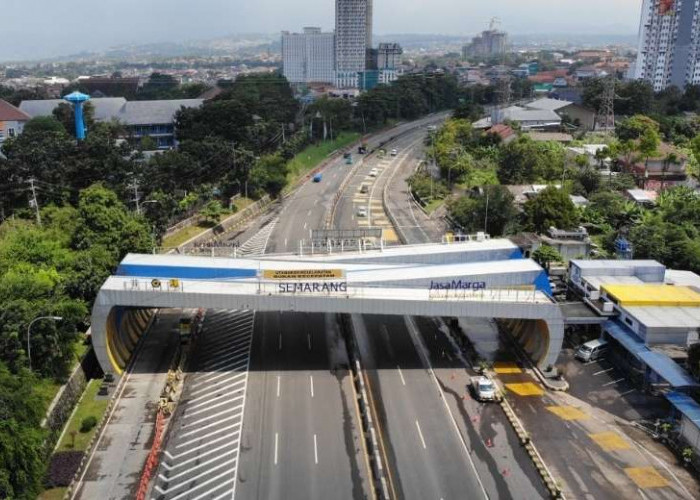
(646, 477)
(525, 389)
(567, 412)
(506, 367)
(420, 434)
(610, 441)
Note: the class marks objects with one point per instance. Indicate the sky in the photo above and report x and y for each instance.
(46, 28)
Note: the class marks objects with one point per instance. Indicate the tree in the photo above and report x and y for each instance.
(635, 126)
(545, 255)
(525, 160)
(212, 212)
(648, 142)
(552, 207)
(470, 212)
(269, 174)
(105, 222)
(42, 124)
(22, 455)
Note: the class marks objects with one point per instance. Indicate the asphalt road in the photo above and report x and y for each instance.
(426, 454)
(301, 437)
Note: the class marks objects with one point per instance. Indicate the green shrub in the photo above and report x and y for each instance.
(88, 423)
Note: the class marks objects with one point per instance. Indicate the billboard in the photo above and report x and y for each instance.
(666, 7)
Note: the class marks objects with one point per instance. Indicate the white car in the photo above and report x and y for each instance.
(373, 172)
(362, 212)
(394, 152)
(484, 388)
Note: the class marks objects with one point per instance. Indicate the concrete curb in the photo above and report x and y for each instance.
(548, 478)
(368, 428)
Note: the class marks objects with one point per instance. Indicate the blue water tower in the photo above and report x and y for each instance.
(77, 99)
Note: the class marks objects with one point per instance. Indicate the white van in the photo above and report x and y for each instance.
(591, 350)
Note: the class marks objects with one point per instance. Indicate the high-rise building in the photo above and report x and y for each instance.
(489, 43)
(308, 57)
(353, 37)
(669, 43)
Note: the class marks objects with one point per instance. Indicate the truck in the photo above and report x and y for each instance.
(484, 389)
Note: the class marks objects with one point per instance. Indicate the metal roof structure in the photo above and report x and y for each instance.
(685, 404)
(661, 364)
(666, 317)
(648, 294)
(548, 104)
(118, 108)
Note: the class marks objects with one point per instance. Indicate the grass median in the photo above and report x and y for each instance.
(311, 156)
(89, 406)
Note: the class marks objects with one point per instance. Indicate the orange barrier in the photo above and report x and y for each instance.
(152, 460)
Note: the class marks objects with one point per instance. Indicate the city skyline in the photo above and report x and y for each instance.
(37, 36)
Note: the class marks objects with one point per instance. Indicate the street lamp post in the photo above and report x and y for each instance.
(29, 333)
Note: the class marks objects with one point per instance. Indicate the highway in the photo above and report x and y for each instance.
(425, 453)
(435, 434)
(301, 436)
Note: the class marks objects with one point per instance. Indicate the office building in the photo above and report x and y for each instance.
(154, 119)
(308, 57)
(353, 37)
(490, 43)
(668, 47)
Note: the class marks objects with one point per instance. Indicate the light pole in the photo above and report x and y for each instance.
(29, 333)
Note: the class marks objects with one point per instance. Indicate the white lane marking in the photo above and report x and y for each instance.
(225, 361)
(276, 446)
(627, 392)
(225, 494)
(316, 202)
(204, 419)
(604, 371)
(189, 433)
(208, 394)
(311, 379)
(208, 401)
(613, 382)
(230, 350)
(308, 214)
(189, 414)
(308, 338)
(420, 434)
(208, 443)
(229, 379)
(403, 381)
(305, 224)
(187, 483)
(280, 342)
(285, 243)
(194, 467)
(315, 450)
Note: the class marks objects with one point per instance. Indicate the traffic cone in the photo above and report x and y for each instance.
(489, 443)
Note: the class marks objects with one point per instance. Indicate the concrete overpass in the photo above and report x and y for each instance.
(487, 279)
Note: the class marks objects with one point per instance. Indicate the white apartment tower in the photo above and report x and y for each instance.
(308, 57)
(669, 43)
(353, 36)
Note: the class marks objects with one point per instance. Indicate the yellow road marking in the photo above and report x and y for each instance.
(390, 236)
(646, 477)
(610, 441)
(525, 389)
(504, 367)
(567, 412)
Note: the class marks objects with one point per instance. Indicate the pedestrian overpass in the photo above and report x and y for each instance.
(484, 279)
